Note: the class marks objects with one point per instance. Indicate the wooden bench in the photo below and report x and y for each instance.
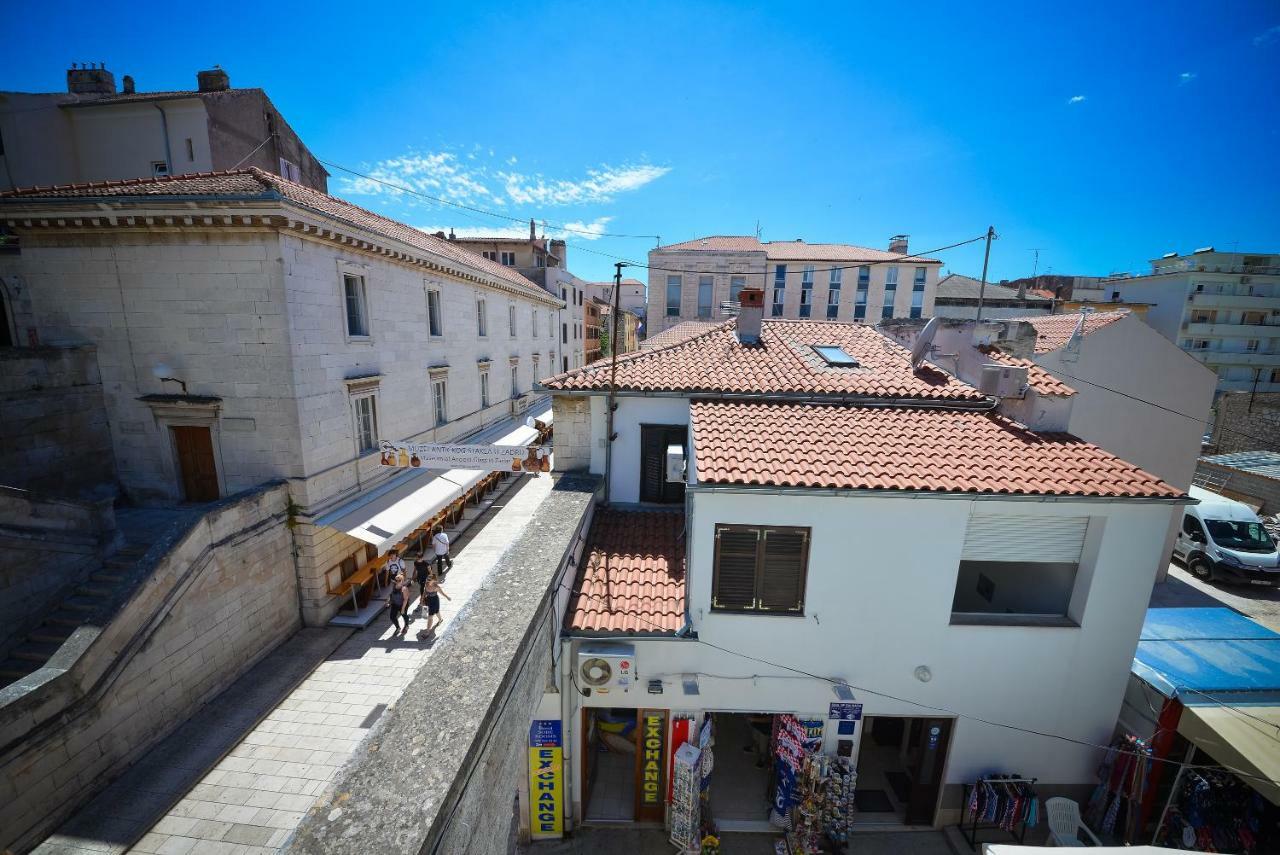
(356, 582)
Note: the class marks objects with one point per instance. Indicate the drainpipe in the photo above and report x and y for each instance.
(164, 127)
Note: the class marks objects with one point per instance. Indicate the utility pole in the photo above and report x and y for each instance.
(613, 381)
(986, 257)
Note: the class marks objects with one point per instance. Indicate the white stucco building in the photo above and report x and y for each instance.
(700, 280)
(1223, 308)
(799, 521)
(249, 328)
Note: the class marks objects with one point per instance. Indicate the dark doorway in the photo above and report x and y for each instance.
(6, 339)
(654, 440)
(195, 461)
(930, 738)
(900, 766)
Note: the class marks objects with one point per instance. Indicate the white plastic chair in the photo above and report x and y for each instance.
(1065, 825)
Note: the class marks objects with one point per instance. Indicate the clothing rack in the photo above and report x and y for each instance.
(974, 823)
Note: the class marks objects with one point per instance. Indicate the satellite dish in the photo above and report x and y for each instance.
(924, 341)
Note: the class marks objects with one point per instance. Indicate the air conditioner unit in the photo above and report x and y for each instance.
(675, 464)
(606, 668)
(1003, 381)
(519, 405)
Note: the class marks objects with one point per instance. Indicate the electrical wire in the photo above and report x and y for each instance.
(255, 150)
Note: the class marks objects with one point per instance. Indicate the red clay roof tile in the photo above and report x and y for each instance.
(680, 332)
(631, 580)
(1037, 378)
(892, 448)
(1053, 331)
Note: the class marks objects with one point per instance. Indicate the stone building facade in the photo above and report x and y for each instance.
(250, 329)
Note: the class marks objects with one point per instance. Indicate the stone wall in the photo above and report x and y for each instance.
(210, 603)
(572, 418)
(1253, 489)
(1246, 422)
(54, 435)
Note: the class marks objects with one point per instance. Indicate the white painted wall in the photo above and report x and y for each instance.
(632, 412)
(119, 140)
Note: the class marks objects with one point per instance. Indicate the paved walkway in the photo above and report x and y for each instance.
(252, 801)
(1252, 601)
(590, 840)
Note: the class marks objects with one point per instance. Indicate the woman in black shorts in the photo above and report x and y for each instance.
(431, 593)
(398, 604)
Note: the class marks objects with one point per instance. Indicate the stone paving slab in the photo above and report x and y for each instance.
(122, 813)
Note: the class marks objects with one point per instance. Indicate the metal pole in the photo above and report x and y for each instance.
(613, 382)
(1173, 793)
(986, 257)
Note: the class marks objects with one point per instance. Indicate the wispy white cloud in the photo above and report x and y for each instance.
(1076, 99)
(1186, 77)
(1267, 37)
(576, 230)
(471, 179)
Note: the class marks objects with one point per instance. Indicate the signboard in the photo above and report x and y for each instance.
(845, 712)
(492, 458)
(546, 780)
(650, 760)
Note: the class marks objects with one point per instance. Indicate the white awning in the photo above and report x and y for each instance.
(1240, 737)
(386, 514)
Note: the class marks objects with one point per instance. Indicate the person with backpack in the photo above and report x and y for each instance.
(440, 543)
(398, 603)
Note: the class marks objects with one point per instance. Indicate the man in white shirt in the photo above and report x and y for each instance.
(394, 564)
(440, 543)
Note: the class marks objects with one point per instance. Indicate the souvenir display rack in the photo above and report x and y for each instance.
(686, 822)
(1016, 806)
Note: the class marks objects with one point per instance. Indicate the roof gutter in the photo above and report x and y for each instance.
(763, 489)
(984, 404)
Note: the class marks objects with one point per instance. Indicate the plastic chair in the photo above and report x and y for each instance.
(1065, 825)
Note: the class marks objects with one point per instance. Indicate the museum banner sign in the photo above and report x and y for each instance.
(491, 458)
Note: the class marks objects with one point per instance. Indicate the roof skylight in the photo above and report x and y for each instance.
(834, 355)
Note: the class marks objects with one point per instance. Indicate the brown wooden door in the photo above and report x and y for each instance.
(195, 461)
(929, 754)
(654, 440)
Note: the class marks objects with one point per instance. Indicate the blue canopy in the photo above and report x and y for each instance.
(1185, 651)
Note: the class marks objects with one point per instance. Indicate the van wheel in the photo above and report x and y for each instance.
(1201, 569)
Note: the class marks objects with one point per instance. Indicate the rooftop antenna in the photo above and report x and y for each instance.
(757, 230)
(924, 342)
(1035, 266)
(1073, 343)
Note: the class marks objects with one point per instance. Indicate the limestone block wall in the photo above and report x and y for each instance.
(54, 435)
(213, 603)
(1242, 418)
(573, 433)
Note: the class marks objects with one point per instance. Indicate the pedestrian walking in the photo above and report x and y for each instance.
(432, 593)
(398, 604)
(440, 543)
(421, 571)
(395, 565)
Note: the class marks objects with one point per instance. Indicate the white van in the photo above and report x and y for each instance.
(1223, 539)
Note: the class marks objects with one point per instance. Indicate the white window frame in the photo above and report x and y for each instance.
(358, 275)
(440, 397)
(491, 255)
(435, 315)
(515, 378)
(891, 276)
(360, 396)
(508, 259)
(482, 317)
(484, 387)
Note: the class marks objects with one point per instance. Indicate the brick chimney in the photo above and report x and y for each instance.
(750, 314)
(90, 79)
(213, 80)
(898, 243)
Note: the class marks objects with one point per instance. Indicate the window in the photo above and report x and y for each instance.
(289, 170)
(674, 284)
(859, 311)
(484, 388)
(435, 322)
(356, 305)
(1199, 344)
(886, 311)
(508, 259)
(515, 380)
(890, 292)
(736, 284)
(565, 362)
(492, 256)
(917, 304)
(864, 276)
(564, 333)
(534, 323)
(159, 169)
(760, 569)
(806, 291)
(537, 372)
(1251, 345)
(1019, 570)
(779, 290)
(1191, 526)
(191, 149)
(440, 399)
(918, 283)
(482, 318)
(704, 296)
(366, 423)
(511, 320)
(834, 355)
(891, 278)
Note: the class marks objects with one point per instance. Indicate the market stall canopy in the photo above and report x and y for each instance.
(1187, 651)
(384, 515)
(1242, 738)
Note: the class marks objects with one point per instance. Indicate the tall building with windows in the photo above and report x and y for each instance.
(1223, 308)
(700, 280)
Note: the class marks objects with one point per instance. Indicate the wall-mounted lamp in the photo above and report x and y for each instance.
(690, 684)
(923, 674)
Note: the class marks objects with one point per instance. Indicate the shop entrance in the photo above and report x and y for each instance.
(741, 782)
(608, 765)
(900, 767)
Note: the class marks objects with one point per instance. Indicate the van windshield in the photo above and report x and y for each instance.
(1245, 536)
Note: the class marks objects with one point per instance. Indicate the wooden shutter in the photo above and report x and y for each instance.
(1024, 538)
(786, 554)
(737, 562)
(652, 449)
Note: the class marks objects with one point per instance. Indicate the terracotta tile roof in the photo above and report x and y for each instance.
(788, 250)
(632, 576)
(250, 184)
(1037, 378)
(784, 363)
(889, 448)
(680, 332)
(1052, 331)
(957, 287)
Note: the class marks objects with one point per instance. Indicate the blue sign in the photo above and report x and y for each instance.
(544, 733)
(845, 712)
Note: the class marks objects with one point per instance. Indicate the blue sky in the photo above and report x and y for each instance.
(1104, 135)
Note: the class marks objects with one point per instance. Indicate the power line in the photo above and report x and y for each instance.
(510, 218)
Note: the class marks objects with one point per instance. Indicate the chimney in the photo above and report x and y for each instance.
(128, 85)
(898, 243)
(1022, 288)
(440, 235)
(750, 313)
(533, 235)
(89, 79)
(213, 80)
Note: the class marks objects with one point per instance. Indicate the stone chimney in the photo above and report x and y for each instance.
(128, 85)
(750, 314)
(533, 234)
(1022, 289)
(898, 243)
(89, 79)
(213, 80)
